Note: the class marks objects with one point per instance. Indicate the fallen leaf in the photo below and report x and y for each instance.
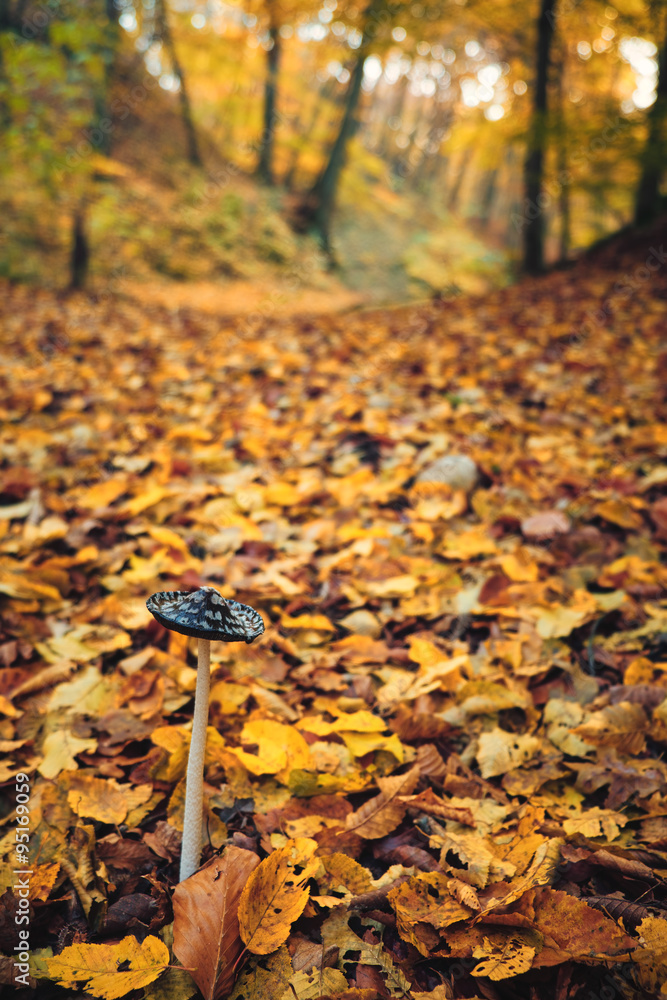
(97, 965)
(207, 939)
(276, 894)
(382, 814)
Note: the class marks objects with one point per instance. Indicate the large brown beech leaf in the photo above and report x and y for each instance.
(206, 927)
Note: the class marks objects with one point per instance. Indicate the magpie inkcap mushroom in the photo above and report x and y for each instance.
(208, 616)
(205, 614)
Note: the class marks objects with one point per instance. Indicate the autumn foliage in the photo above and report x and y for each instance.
(439, 773)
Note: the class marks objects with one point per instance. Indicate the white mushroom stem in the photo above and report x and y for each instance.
(194, 782)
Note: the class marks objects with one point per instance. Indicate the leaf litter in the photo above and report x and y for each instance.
(439, 772)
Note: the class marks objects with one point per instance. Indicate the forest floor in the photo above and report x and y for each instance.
(440, 770)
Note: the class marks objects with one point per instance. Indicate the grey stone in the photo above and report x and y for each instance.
(457, 471)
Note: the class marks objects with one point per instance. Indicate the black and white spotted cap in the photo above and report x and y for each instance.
(205, 614)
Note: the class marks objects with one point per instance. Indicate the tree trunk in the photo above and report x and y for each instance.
(489, 190)
(194, 155)
(303, 134)
(6, 19)
(323, 192)
(265, 166)
(438, 127)
(648, 202)
(322, 196)
(533, 219)
(5, 25)
(80, 256)
(453, 196)
(102, 126)
(387, 143)
(562, 163)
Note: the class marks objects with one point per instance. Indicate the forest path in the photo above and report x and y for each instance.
(247, 298)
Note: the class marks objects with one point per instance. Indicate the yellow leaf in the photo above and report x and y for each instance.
(424, 652)
(19, 583)
(394, 586)
(97, 965)
(425, 898)
(282, 494)
(229, 696)
(499, 752)
(280, 749)
(553, 623)
(59, 750)
(469, 544)
(166, 536)
(619, 512)
(505, 956)
(651, 958)
(519, 568)
(440, 508)
(144, 500)
(88, 692)
(342, 873)
(102, 494)
(471, 858)
(596, 822)
(43, 879)
(445, 675)
(317, 622)
(359, 744)
(276, 894)
(84, 643)
(542, 871)
(353, 722)
(105, 800)
(48, 530)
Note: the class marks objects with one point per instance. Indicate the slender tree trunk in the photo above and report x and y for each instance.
(102, 126)
(562, 163)
(322, 195)
(5, 25)
(304, 134)
(6, 19)
(386, 144)
(323, 192)
(438, 126)
(533, 221)
(265, 170)
(648, 202)
(454, 191)
(80, 255)
(186, 111)
(489, 189)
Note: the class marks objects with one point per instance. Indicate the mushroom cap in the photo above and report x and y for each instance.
(205, 614)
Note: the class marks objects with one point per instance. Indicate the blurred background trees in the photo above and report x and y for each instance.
(425, 146)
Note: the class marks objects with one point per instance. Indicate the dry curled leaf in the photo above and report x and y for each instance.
(382, 814)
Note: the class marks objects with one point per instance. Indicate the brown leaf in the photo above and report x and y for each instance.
(630, 913)
(571, 929)
(426, 899)
(622, 726)
(382, 814)
(206, 926)
(428, 802)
